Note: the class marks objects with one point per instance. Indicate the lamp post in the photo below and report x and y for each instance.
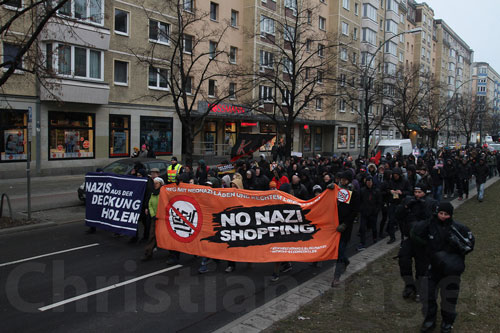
(366, 87)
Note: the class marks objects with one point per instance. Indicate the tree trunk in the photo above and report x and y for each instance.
(188, 144)
(288, 138)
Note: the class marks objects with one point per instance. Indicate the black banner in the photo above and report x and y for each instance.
(246, 144)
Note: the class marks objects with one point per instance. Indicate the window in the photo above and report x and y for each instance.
(369, 36)
(452, 53)
(212, 88)
(306, 144)
(214, 11)
(346, 4)
(13, 131)
(234, 18)
(345, 28)
(341, 137)
(354, 57)
(393, 5)
(367, 59)
(91, 11)
(232, 90)
(451, 80)
(121, 22)
(266, 59)
(319, 104)
(356, 9)
(10, 52)
(451, 66)
(188, 44)
(401, 56)
(391, 48)
(266, 25)
(342, 105)
(352, 138)
(402, 18)
(210, 136)
(289, 33)
(291, 4)
(77, 61)
(119, 136)
(480, 89)
(342, 80)
(158, 78)
(319, 77)
(159, 32)
(322, 23)
(309, 16)
(355, 34)
(121, 73)
(71, 135)
(265, 93)
(287, 66)
(370, 12)
(321, 50)
(233, 51)
(188, 5)
(390, 68)
(188, 87)
(392, 26)
(308, 45)
(318, 139)
(402, 38)
(286, 98)
(343, 54)
(212, 49)
(158, 133)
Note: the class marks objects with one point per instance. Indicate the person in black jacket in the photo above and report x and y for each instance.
(414, 208)
(481, 172)
(298, 189)
(445, 242)
(347, 211)
(372, 201)
(464, 173)
(449, 178)
(397, 189)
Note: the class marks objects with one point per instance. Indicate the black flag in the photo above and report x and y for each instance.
(246, 144)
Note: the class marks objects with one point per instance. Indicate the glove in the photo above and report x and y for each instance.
(330, 186)
(341, 227)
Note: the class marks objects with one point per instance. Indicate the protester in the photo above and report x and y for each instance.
(151, 212)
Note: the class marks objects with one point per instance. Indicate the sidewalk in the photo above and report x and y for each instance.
(292, 301)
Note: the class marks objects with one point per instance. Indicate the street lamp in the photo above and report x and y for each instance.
(365, 75)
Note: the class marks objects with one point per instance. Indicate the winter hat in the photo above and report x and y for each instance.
(159, 180)
(317, 188)
(142, 172)
(446, 207)
(368, 178)
(347, 175)
(272, 184)
(143, 146)
(173, 158)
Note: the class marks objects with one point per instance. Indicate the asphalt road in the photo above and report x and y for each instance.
(162, 298)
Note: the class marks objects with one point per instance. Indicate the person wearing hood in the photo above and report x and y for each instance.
(445, 242)
(249, 180)
(202, 172)
(397, 189)
(279, 177)
(371, 202)
(464, 173)
(261, 182)
(414, 208)
(449, 178)
(481, 172)
(347, 212)
(437, 175)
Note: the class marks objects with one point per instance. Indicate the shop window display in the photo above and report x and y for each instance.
(13, 134)
(71, 135)
(157, 132)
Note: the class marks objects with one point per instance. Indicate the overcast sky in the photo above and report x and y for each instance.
(476, 22)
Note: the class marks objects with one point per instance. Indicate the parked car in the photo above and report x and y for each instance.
(125, 166)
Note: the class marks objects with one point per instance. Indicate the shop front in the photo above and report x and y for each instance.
(13, 135)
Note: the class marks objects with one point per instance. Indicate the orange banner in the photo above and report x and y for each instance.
(247, 226)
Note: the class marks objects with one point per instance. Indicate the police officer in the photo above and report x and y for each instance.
(173, 170)
(446, 243)
(414, 208)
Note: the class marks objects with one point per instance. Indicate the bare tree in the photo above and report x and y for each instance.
(408, 94)
(31, 18)
(295, 68)
(196, 66)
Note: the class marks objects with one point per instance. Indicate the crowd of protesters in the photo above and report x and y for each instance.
(388, 193)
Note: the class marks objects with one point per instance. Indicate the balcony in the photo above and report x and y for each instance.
(74, 91)
(75, 33)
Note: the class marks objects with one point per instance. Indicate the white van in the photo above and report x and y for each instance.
(394, 145)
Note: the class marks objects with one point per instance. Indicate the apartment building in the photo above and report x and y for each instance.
(486, 93)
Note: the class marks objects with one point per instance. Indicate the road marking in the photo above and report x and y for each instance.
(48, 254)
(98, 291)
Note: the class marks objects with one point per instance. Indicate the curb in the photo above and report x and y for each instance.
(29, 227)
(285, 305)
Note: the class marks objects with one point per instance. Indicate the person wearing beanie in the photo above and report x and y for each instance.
(372, 201)
(173, 170)
(418, 207)
(347, 212)
(397, 189)
(317, 190)
(445, 242)
(144, 151)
